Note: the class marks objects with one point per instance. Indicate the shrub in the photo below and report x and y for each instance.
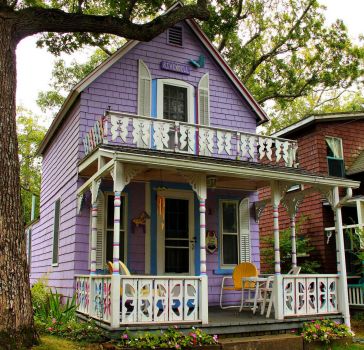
(171, 338)
(325, 331)
(40, 293)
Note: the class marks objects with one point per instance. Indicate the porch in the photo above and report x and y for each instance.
(212, 160)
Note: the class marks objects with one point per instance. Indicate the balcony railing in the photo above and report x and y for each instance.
(172, 136)
(355, 231)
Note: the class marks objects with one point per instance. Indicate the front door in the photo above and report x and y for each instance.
(176, 239)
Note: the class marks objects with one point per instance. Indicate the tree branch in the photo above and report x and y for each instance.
(34, 20)
(281, 42)
(129, 9)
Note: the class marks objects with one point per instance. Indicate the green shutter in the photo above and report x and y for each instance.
(57, 212)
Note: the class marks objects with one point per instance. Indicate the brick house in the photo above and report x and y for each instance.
(329, 144)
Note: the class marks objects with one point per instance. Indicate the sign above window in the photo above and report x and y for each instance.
(175, 67)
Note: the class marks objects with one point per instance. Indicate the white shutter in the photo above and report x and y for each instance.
(244, 226)
(203, 100)
(100, 231)
(144, 90)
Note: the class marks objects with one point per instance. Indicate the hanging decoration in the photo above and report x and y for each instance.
(211, 241)
(140, 221)
(161, 206)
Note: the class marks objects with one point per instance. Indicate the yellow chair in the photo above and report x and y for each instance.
(122, 268)
(245, 269)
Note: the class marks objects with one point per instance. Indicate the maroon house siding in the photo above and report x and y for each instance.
(312, 156)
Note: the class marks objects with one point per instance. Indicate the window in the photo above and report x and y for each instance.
(175, 100)
(57, 218)
(335, 157)
(174, 36)
(110, 229)
(229, 232)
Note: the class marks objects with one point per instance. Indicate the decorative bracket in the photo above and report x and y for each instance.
(259, 208)
(327, 192)
(95, 187)
(291, 201)
(198, 183)
(278, 190)
(80, 201)
(122, 174)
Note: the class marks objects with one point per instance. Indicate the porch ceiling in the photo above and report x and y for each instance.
(169, 166)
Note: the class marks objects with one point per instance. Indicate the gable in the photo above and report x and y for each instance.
(226, 88)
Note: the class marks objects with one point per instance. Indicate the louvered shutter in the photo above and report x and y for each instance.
(144, 90)
(57, 212)
(100, 231)
(203, 100)
(244, 226)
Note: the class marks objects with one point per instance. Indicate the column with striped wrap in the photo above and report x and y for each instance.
(277, 256)
(202, 236)
(293, 240)
(94, 209)
(116, 239)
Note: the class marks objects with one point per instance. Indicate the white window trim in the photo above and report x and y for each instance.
(221, 234)
(190, 97)
(341, 145)
(107, 194)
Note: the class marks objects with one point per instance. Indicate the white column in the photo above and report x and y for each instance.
(343, 301)
(293, 240)
(116, 240)
(203, 236)
(93, 237)
(277, 286)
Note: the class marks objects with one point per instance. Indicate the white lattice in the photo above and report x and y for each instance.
(83, 294)
(206, 141)
(129, 301)
(119, 127)
(265, 147)
(187, 138)
(224, 142)
(289, 296)
(161, 135)
(141, 132)
(190, 300)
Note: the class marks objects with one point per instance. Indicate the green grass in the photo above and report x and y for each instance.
(349, 347)
(54, 343)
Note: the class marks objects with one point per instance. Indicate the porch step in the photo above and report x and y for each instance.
(264, 342)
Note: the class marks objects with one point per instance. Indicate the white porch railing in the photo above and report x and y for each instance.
(356, 229)
(166, 135)
(160, 299)
(356, 294)
(143, 299)
(93, 296)
(310, 294)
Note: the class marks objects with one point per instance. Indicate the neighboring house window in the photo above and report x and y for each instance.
(234, 232)
(335, 157)
(57, 219)
(110, 229)
(175, 100)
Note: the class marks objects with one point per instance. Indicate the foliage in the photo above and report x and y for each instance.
(303, 246)
(325, 330)
(356, 237)
(40, 294)
(171, 338)
(48, 342)
(30, 135)
(72, 329)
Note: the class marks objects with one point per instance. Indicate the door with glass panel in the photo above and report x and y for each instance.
(176, 236)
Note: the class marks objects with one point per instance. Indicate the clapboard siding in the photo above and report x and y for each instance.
(59, 180)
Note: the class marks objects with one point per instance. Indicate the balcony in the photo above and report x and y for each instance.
(165, 135)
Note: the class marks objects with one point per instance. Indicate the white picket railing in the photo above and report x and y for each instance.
(166, 135)
(93, 296)
(356, 229)
(310, 294)
(160, 299)
(356, 294)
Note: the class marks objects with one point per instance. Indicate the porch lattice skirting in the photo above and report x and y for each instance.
(142, 299)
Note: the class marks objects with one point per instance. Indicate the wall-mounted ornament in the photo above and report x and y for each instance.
(140, 221)
(175, 67)
(200, 63)
(211, 242)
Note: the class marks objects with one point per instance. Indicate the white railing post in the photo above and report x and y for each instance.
(204, 300)
(92, 297)
(343, 285)
(115, 300)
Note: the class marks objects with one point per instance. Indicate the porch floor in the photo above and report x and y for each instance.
(232, 322)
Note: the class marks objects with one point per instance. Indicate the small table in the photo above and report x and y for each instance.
(258, 282)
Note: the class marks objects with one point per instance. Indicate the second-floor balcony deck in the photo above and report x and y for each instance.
(131, 130)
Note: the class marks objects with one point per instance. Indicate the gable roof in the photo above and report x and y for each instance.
(318, 118)
(358, 165)
(84, 83)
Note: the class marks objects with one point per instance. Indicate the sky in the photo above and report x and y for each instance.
(34, 65)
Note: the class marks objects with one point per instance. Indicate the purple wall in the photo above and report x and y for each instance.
(117, 87)
(59, 180)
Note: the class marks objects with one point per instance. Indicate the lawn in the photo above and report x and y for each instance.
(48, 342)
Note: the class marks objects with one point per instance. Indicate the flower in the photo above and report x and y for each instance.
(177, 346)
(317, 326)
(193, 335)
(175, 327)
(125, 336)
(50, 329)
(215, 337)
(54, 321)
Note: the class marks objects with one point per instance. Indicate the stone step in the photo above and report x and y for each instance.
(264, 342)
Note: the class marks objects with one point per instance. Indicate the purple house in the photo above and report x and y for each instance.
(154, 161)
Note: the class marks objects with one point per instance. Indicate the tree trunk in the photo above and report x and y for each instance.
(16, 314)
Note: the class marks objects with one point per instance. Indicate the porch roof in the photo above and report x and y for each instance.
(257, 175)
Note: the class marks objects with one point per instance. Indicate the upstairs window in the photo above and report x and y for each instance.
(175, 103)
(174, 36)
(335, 156)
